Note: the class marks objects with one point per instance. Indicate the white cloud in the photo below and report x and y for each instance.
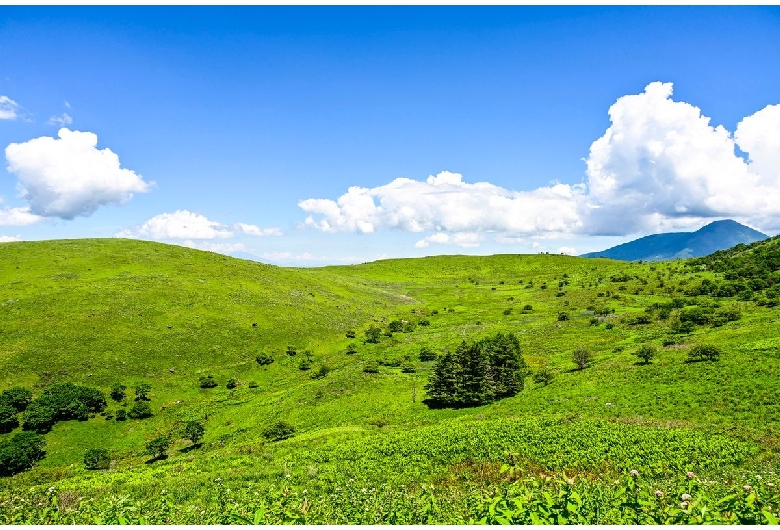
(63, 119)
(9, 109)
(69, 176)
(221, 248)
(9, 239)
(446, 203)
(252, 230)
(460, 239)
(17, 217)
(180, 224)
(306, 257)
(570, 251)
(662, 165)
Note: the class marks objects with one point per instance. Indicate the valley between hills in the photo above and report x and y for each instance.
(646, 392)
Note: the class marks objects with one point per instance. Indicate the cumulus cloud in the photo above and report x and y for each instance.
(252, 230)
(446, 203)
(9, 109)
(569, 251)
(306, 257)
(183, 224)
(220, 248)
(460, 239)
(661, 164)
(9, 239)
(61, 120)
(17, 217)
(70, 176)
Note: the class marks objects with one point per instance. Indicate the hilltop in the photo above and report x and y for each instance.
(100, 312)
(715, 236)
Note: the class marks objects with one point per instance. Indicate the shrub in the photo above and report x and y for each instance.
(427, 354)
(350, 334)
(278, 431)
(351, 349)
(139, 411)
(379, 421)
(435, 312)
(582, 357)
(121, 415)
(231, 384)
(17, 398)
(560, 293)
(372, 335)
(396, 326)
(292, 351)
(158, 447)
(424, 322)
(141, 392)
(304, 365)
(264, 359)
(252, 384)
(21, 452)
(207, 382)
(563, 316)
(194, 431)
(97, 459)
(704, 352)
(118, 392)
(594, 321)
(646, 352)
(63, 401)
(409, 327)
(543, 376)
(8, 419)
(371, 367)
(508, 311)
(320, 372)
(408, 368)
(528, 307)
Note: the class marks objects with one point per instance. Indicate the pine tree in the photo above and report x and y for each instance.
(442, 383)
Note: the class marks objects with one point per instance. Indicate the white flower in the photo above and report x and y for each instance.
(690, 474)
(747, 487)
(659, 493)
(685, 497)
(634, 473)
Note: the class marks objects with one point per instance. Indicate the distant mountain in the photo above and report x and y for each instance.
(718, 235)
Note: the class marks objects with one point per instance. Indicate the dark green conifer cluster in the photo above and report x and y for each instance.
(485, 371)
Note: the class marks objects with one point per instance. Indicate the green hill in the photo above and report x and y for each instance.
(99, 312)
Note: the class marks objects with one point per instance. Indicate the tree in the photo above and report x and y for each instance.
(139, 411)
(38, 417)
(427, 354)
(582, 357)
(396, 326)
(207, 382)
(194, 431)
(371, 367)
(320, 372)
(118, 392)
(158, 447)
(8, 419)
(372, 335)
(646, 352)
(97, 459)
(231, 384)
(408, 368)
(121, 415)
(141, 392)
(21, 452)
(264, 359)
(351, 349)
(17, 397)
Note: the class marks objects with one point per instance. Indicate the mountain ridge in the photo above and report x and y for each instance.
(715, 236)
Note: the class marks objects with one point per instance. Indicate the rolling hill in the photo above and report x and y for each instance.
(715, 236)
(365, 448)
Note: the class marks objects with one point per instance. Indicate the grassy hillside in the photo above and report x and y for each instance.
(96, 312)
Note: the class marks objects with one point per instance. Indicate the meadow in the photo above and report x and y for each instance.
(621, 440)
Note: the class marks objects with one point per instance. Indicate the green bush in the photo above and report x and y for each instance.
(292, 351)
(563, 316)
(646, 352)
(396, 326)
(264, 359)
(139, 410)
(408, 368)
(351, 349)
(158, 447)
(21, 452)
(97, 459)
(252, 384)
(543, 376)
(60, 402)
(350, 334)
(304, 365)
(371, 367)
(704, 352)
(207, 382)
(231, 384)
(424, 322)
(372, 335)
(17, 398)
(320, 372)
(507, 311)
(121, 415)
(142, 391)
(278, 431)
(118, 392)
(427, 354)
(528, 307)
(8, 419)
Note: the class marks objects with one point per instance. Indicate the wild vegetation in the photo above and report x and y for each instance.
(561, 389)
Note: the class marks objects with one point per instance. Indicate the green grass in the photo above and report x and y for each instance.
(94, 312)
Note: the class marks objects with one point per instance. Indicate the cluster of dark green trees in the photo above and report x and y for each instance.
(64, 401)
(482, 372)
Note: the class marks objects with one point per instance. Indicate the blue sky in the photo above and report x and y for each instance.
(228, 128)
